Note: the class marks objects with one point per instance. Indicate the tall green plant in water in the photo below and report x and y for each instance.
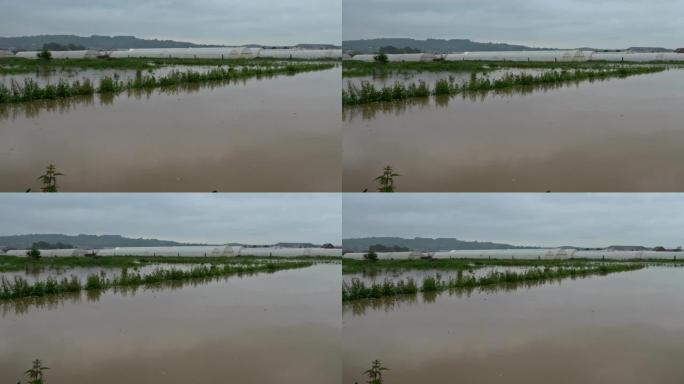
(386, 180)
(375, 372)
(35, 373)
(49, 179)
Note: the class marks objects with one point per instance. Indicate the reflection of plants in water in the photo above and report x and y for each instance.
(357, 289)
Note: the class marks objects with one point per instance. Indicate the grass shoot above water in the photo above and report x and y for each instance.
(30, 90)
(357, 289)
(369, 93)
(19, 287)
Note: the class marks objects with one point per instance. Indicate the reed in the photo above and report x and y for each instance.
(357, 289)
(367, 92)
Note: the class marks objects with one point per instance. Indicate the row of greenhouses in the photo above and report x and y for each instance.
(195, 53)
(185, 251)
(523, 254)
(538, 56)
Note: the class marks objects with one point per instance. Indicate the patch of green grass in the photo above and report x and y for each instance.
(30, 90)
(369, 93)
(20, 287)
(357, 289)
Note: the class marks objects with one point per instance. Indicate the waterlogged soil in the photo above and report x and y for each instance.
(251, 135)
(620, 328)
(267, 328)
(614, 135)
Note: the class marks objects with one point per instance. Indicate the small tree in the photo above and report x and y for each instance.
(45, 54)
(381, 58)
(49, 179)
(371, 255)
(34, 253)
(35, 374)
(386, 180)
(375, 372)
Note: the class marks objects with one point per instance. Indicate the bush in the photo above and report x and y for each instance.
(44, 55)
(371, 255)
(381, 58)
(34, 253)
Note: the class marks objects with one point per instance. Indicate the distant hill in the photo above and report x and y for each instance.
(421, 244)
(34, 43)
(430, 45)
(83, 241)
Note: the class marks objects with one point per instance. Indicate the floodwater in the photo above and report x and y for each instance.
(252, 135)
(621, 328)
(268, 328)
(616, 135)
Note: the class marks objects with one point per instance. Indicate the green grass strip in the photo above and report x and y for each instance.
(19, 287)
(30, 90)
(369, 93)
(357, 289)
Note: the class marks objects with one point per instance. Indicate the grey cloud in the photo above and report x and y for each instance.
(524, 219)
(542, 23)
(203, 21)
(212, 218)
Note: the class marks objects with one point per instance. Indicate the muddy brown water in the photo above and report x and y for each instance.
(616, 135)
(258, 135)
(621, 328)
(267, 328)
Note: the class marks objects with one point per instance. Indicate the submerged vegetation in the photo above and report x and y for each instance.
(30, 90)
(369, 93)
(20, 287)
(357, 289)
(386, 179)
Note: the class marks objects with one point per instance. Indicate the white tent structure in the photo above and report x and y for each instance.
(387, 255)
(538, 56)
(186, 251)
(50, 252)
(5, 54)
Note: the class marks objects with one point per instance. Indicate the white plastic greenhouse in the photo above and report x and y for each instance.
(542, 56)
(190, 53)
(524, 254)
(50, 252)
(311, 54)
(290, 252)
(5, 53)
(638, 56)
(187, 251)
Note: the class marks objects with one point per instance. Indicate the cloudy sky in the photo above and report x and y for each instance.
(542, 23)
(207, 218)
(590, 220)
(229, 22)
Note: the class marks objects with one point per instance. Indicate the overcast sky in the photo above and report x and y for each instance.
(230, 22)
(591, 220)
(203, 218)
(542, 23)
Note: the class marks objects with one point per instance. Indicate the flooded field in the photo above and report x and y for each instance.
(251, 135)
(620, 328)
(614, 135)
(282, 327)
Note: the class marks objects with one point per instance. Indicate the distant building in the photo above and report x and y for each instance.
(679, 50)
